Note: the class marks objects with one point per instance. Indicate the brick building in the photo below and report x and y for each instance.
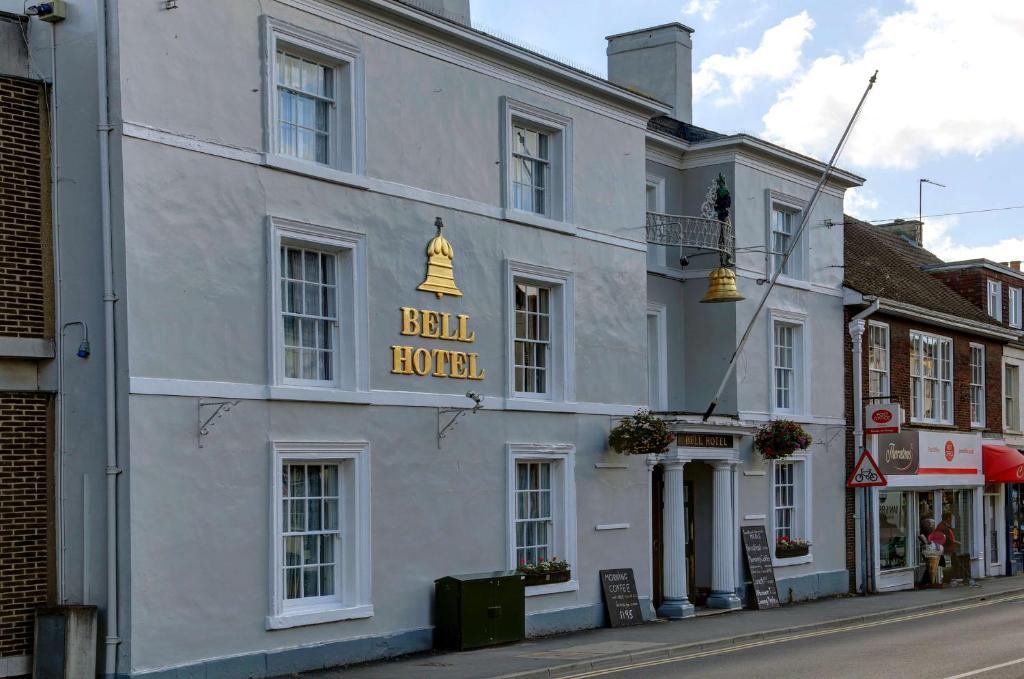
(936, 354)
(26, 353)
(997, 289)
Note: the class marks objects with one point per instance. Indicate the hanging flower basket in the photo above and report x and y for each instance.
(640, 434)
(545, 572)
(780, 439)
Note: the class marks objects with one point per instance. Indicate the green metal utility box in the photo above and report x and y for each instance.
(479, 609)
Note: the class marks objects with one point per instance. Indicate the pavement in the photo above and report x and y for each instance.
(606, 650)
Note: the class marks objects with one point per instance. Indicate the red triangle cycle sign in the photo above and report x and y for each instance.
(866, 473)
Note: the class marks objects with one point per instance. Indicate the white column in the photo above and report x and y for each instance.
(673, 535)
(723, 567)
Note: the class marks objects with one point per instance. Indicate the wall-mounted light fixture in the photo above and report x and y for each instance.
(83, 347)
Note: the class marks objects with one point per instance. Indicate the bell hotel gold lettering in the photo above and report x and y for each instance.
(459, 365)
(438, 325)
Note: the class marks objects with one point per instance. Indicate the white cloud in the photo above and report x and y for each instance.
(706, 8)
(860, 203)
(945, 85)
(777, 57)
(938, 239)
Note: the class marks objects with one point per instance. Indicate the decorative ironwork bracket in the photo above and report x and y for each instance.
(442, 432)
(203, 425)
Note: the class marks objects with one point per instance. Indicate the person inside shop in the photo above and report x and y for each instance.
(950, 546)
(926, 545)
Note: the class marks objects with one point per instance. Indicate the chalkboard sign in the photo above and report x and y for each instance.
(620, 599)
(759, 560)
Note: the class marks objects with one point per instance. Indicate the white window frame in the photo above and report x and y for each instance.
(801, 369)
(885, 375)
(563, 504)
(347, 157)
(352, 341)
(354, 600)
(798, 262)
(975, 385)
(561, 371)
(658, 312)
(803, 507)
(1011, 401)
(1016, 304)
(655, 253)
(994, 299)
(559, 206)
(917, 408)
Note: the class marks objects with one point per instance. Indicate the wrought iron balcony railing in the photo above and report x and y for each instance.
(698, 233)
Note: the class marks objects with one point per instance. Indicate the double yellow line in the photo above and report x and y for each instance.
(791, 637)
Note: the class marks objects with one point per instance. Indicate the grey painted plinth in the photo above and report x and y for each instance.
(676, 609)
(726, 600)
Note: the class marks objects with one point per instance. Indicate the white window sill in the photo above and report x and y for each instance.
(311, 169)
(323, 394)
(315, 616)
(540, 590)
(933, 423)
(789, 282)
(793, 560)
(532, 219)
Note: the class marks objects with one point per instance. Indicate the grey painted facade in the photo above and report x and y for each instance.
(195, 200)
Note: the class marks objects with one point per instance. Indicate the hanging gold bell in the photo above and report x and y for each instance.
(722, 287)
(440, 278)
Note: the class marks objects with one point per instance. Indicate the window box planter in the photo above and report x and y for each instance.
(550, 578)
(791, 551)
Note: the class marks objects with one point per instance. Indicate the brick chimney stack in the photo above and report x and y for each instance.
(1014, 264)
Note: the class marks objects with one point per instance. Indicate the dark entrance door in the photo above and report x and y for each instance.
(691, 562)
(657, 503)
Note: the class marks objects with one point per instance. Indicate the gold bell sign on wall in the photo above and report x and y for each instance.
(440, 278)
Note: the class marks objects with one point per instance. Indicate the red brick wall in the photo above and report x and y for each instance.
(23, 240)
(24, 516)
(973, 284)
(899, 380)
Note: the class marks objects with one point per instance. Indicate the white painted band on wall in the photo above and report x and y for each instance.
(754, 517)
(610, 465)
(753, 473)
(611, 526)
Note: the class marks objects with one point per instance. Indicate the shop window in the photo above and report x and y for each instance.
(995, 300)
(537, 162)
(317, 303)
(312, 100)
(878, 359)
(977, 385)
(540, 333)
(542, 507)
(893, 520)
(931, 378)
(1011, 397)
(321, 550)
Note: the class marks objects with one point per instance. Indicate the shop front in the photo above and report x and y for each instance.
(927, 522)
(1004, 508)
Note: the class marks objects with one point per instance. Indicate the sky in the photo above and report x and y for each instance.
(948, 104)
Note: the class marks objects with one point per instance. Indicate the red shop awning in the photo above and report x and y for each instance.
(1003, 464)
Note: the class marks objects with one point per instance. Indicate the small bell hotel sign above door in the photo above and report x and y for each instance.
(685, 439)
(437, 325)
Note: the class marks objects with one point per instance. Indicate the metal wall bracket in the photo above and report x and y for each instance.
(459, 412)
(219, 408)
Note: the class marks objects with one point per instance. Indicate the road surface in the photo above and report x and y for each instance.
(983, 640)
